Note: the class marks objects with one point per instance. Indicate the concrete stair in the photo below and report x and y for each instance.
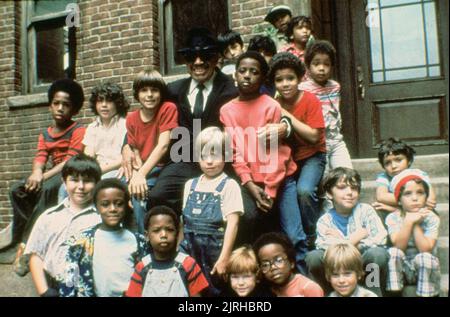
(437, 167)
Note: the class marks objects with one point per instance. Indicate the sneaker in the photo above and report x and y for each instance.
(20, 265)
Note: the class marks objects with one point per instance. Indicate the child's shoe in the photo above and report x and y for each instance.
(20, 265)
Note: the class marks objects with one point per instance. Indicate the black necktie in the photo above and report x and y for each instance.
(198, 106)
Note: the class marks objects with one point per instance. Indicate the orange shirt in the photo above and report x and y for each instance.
(300, 286)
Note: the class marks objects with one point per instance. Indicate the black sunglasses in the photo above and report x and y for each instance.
(205, 56)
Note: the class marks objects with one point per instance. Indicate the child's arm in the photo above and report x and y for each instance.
(34, 181)
(423, 243)
(431, 201)
(385, 197)
(263, 201)
(228, 243)
(38, 275)
(400, 239)
(138, 183)
(303, 130)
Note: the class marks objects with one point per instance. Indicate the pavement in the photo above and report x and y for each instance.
(12, 285)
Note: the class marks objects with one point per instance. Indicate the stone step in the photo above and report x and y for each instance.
(444, 285)
(442, 253)
(440, 186)
(442, 210)
(435, 165)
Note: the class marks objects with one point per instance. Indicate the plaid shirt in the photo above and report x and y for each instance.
(363, 216)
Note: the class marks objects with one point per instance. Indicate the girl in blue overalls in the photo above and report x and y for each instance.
(212, 205)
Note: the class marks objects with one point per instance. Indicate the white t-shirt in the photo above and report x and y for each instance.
(106, 141)
(113, 263)
(231, 197)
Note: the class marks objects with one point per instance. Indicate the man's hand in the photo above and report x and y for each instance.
(138, 186)
(263, 201)
(34, 181)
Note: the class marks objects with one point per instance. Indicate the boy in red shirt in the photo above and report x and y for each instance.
(148, 136)
(265, 171)
(59, 142)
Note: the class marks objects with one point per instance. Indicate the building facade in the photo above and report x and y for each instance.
(392, 62)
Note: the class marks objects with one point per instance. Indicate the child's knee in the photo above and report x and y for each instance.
(396, 253)
(377, 256)
(426, 260)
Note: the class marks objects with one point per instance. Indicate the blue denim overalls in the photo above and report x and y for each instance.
(204, 231)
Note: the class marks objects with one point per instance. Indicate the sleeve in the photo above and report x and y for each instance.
(135, 286)
(42, 152)
(431, 226)
(374, 225)
(323, 241)
(394, 223)
(72, 271)
(236, 134)
(382, 180)
(196, 279)
(313, 290)
(169, 117)
(232, 199)
(131, 131)
(76, 145)
(89, 136)
(38, 240)
(314, 117)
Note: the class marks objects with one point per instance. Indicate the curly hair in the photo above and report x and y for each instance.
(285, 60)
(298, 21)
(109, 92)
(320, 47)
(72, 88)
(256, 56)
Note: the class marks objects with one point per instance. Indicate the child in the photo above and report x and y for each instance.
(343, 269)
(148, 136)
(279, 16)
(266, 47)
(101, 259)
(231, 46)
(105, 136)
(305, 113)
(319, 59)
(394, 156)
(269, 175)
(46, 245)
(413, 230)
(212, 205)
(243, 274)
(276, 257)
(165, 272)
(299, 33)
(349, 221)
(59, 142)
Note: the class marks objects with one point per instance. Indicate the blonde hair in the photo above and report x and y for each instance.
(343, 256)
(212, 139)
(243, 260)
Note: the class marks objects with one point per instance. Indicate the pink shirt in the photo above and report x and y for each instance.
(252, 160)
(300, 286)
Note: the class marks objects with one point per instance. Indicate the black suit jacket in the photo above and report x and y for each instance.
(223, 90)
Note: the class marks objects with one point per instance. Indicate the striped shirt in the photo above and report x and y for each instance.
(60, 146)
(330, 98)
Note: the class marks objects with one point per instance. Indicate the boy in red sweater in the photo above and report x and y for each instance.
(58, 143)
(265, 171)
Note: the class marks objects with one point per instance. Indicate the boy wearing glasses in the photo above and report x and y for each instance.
(276, 257)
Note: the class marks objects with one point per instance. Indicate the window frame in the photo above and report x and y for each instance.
(166, 48)
(29, 49)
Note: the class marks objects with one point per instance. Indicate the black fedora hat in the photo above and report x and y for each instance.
(199, 40)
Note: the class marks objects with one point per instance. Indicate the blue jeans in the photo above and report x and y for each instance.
(309, 177)
(140, 207)
(291, 221)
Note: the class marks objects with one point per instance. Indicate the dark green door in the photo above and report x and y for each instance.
(398, 68)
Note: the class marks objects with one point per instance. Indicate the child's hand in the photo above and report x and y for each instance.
(272, 132)
(220, 267)
(360, 234)
(34, 182)
(138, 186)
(128, 161)
(263, 201)
(431, 204)
(417, 217)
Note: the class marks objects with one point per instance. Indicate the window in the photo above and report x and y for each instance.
(178, 16)
(50, 44)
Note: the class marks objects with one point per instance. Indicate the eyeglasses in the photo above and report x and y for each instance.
(279, 261)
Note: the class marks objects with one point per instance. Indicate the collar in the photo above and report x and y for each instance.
(99, 122)
(208, 84)
(65, 204)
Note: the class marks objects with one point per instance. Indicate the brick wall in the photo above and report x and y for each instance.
(115, 40)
